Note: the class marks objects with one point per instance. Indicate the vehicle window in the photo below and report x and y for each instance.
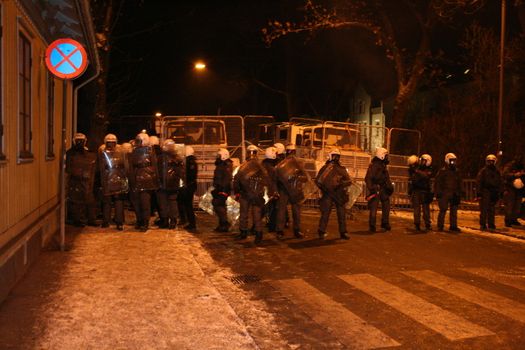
(343, 138)
(283, 134)
(197, 132)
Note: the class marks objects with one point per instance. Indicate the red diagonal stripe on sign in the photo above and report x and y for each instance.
(66, 58)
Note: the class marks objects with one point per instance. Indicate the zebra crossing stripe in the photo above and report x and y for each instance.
(516, 281)
(347, 327)
(432, 316)
(491, 301)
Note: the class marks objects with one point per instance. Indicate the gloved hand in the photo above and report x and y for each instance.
(237, 196)
(224, 194)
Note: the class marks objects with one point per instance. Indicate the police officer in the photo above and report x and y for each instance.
(112, 164)
(248, 186)
(154, 143)
(332, 180)
(379, 188)
(80, 170)
(489, 187)
(291, 177)
(171, 172)
(185, 199)
(514, 175)
(448, 192)
(145, 179)
(222, 180)
(269, 162)
(421, 196)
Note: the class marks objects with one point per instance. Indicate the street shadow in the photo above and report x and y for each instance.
(314, 243)
(363, 233)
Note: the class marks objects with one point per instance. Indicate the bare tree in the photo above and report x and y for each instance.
(375, 16)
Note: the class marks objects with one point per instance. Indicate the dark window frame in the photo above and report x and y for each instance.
(24, 61)
(2, 154)
(50, 121)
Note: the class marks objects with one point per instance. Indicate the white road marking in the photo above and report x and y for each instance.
(349, 328)
(514, 280)
(442, 321)
(491, 301)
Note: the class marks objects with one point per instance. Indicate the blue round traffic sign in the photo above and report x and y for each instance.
(66, 58)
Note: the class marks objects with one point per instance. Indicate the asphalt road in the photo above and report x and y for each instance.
(389, 289)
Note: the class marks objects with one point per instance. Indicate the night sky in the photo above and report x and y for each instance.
(156, 43)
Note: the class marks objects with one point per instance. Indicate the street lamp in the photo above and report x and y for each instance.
(158, 114)
(199, 66)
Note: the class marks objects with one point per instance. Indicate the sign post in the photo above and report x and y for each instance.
(66, 59)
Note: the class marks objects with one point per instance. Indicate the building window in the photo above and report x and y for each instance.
(2, 155)
(24, 97)
(50, 140)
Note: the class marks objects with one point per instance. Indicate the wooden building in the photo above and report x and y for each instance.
(32, 103)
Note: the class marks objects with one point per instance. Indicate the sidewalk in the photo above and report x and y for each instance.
(121, 290)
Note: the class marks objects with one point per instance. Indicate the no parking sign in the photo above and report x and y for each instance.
(66, 58)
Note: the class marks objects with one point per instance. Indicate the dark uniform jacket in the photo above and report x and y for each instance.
(511, 172)
(222, 178)
(191, 173)
(377, 179)
(448, 183)
(269, 166)
(420, 178)
(489, 180)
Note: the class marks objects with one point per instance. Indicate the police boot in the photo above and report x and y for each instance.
(163, 223)
(418, 228)
(298, 234)
(242, 235)
(344, 235)
(258, 237)
(322, 235)
(119, 227)
(386, 227)
(172, 224)
(279, 234)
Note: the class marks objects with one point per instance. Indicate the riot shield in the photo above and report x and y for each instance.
(292, 177)
(113, 171)
(144, 169)
(354, 191)
(330, 182)
(252, 178)
(81, 171)
(171, 171)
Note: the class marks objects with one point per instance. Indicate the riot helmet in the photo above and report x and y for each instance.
(142, 140)
(412, 160)
(335, 155)
(126, 147)
(490, 160)
(517, 183)
(451, 160)
(189, 151)
(280, 148)
(252, 151)
(270, 153)
(223, 154)
(168, 146)
(382, 153)
(290, 149)
(79, 140)
(425, 160)
(110, 140)
(154, 140)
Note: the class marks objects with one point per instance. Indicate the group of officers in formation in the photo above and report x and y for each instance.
(144, 172)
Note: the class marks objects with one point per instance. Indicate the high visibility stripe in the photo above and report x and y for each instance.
(491, 301)
(439, 320)
(516, 281)
(351, 330)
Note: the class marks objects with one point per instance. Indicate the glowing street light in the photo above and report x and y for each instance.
(158, 114)
(200, 66)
